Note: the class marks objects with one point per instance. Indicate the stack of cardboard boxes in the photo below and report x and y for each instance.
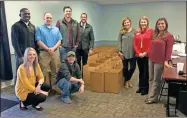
(103, 73)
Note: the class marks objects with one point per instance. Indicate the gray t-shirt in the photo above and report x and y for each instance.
(125, 44)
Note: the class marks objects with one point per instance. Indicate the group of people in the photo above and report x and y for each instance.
(39, 51)
(151, 49)
(48, 56)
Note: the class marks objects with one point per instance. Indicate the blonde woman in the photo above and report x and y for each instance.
(29, 86)
(126, 51)
(142, 41)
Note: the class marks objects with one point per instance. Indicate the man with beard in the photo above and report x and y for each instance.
(22, 36)
(69, 29)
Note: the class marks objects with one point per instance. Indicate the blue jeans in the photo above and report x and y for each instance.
(67, 87)
(63, 52)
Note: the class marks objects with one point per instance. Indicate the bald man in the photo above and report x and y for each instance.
(49, 39)
(22, 36)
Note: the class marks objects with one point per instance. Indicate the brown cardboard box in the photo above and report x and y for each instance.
(100, 61)
(91, 60)
(113, 81)
(86, 72)
(119, 65)
(97, 81)
(93, 57)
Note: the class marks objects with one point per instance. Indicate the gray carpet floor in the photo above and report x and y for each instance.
(127, 103)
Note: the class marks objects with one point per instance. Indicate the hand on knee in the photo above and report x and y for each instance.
(81, 89)
(45, 93)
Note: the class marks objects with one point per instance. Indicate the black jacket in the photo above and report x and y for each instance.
(22, 37)
(86, 37)
(67, 71)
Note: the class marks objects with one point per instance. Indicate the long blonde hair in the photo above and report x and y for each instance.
(123, 30)
(25, 61)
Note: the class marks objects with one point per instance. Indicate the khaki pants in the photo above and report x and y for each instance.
(155, 76)
(49, 65)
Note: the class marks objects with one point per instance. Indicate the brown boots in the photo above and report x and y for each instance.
(128, 84)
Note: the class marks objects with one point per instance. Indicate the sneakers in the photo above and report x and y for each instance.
(66, 100)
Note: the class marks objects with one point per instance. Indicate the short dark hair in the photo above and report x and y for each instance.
(46, 13)
(84, 14)
(23, 9)
(67, 7)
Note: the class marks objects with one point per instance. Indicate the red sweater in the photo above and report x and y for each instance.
(142, 41)
(161, 48)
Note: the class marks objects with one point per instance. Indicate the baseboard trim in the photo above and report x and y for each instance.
(7, 83)
(105, 42)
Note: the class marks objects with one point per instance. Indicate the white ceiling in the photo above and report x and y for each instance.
(108, 2)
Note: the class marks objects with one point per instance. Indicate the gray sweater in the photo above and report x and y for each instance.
(125, 44)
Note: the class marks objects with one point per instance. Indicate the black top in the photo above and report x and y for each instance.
(22, 37)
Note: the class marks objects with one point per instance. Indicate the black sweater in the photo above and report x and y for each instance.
(22, 37)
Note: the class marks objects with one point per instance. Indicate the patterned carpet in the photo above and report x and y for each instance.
(90, 104)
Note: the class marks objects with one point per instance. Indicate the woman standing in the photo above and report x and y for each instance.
(29, 86)
(142, 40)
(159, 55)
(126, 51)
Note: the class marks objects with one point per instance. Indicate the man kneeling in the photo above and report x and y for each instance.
(69, 78)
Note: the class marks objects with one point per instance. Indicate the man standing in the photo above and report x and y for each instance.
(69, 29)
(49, 39)
(69, 78)
(22, 36)
(86, 43)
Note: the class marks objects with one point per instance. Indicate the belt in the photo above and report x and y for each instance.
(45, 50)
(42, 50)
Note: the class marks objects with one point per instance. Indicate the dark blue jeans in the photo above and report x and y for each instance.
(128, 70)
(67, 87)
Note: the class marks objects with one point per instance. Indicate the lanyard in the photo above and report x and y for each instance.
(141, 45)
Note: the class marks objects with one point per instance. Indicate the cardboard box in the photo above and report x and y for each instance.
(97, 81)
(86, 72)
(113, 81)
(119, 65)
(93, 57)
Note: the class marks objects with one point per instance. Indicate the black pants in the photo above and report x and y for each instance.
(84, 54)
(128, 72)
(33, 99)
(143, 73)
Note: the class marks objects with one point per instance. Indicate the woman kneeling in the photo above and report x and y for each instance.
(29, 86)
